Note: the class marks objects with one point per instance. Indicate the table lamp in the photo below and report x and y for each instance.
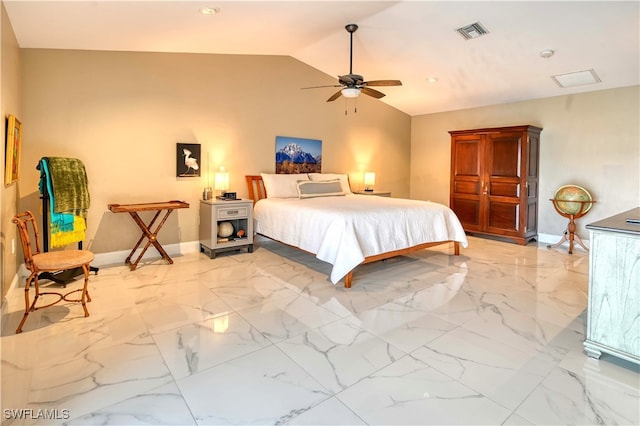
(221, 182)
(369, 181)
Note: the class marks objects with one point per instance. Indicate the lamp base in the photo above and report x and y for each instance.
(207, 194)
(368, 190)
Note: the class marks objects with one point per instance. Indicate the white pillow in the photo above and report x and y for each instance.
(327, 188)
(282, 185)
(344, 179)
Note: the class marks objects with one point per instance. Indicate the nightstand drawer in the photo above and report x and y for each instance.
(232, 212)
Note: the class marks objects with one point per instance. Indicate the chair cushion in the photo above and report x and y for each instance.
(62, 259)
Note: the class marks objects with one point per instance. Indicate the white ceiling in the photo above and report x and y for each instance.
(405, 40)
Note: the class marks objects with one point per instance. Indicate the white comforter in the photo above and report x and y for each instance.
(343, 230)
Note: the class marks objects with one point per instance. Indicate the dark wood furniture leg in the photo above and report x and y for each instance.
(151, 236)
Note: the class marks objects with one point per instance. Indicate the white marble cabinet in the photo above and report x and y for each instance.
(613, 316)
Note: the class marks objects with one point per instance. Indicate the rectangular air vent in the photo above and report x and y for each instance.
(578, 78)
(472, 31)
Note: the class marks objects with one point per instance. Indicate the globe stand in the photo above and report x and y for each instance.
(570, 233)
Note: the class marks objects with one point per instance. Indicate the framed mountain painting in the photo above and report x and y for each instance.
(298, 155)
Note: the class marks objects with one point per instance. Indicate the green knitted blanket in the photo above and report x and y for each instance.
(70, 185)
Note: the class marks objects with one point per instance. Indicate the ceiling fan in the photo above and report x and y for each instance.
(352, 84)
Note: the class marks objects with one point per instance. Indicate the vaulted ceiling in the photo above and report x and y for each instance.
(412, 41)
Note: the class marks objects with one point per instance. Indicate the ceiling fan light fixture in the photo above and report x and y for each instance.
(350, 92)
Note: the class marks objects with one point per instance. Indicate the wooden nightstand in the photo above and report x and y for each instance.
(237, 212)
(378, 193)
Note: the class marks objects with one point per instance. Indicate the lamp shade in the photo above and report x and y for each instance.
(350, 92)
(221, 182)
(369, 180)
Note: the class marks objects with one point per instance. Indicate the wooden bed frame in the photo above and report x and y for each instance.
(257, 191)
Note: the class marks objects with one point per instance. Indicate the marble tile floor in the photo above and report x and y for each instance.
(493, 336)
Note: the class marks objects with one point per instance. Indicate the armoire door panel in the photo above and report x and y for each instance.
(467, 154)
(532, 217)
(504, 189)
(503, 217)
(532, 189)
(533, 163)
(466, 187)
(468, 212)
(504, 156)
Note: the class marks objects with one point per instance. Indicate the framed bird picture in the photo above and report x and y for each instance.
(188, 160)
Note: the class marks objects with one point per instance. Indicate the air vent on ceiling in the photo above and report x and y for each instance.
(472, 31)
(578, 78)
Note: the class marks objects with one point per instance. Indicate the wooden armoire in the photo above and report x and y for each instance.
(494, 181)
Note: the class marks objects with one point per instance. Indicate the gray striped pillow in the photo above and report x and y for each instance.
(327, 188)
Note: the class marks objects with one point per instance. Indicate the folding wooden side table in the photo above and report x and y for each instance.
(147, 232)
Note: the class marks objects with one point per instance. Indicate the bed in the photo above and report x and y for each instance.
(319, 214)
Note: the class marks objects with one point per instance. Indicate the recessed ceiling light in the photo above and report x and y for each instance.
(209, 10)
(432, 79)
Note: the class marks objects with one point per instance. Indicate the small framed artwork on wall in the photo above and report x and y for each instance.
(12, 150)
(188, 160)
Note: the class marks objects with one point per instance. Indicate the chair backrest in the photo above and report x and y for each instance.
(25, 221)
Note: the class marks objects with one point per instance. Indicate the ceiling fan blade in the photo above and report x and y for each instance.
(336, 96)
(382, 83)
(318, 87)
(372, 92)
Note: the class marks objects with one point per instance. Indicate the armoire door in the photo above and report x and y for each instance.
(466, 181)
(504, 169)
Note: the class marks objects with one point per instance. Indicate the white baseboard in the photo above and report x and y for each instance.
(115, 257)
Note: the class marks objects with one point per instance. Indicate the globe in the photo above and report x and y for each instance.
(567, 199)
(225, 229)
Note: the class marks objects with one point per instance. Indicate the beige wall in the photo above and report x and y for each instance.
(590, 139)
(10, 103)
(122, 114)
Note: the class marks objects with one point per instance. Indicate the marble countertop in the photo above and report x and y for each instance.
(618, 223)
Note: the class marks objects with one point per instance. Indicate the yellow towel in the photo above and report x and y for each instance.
(61, 239)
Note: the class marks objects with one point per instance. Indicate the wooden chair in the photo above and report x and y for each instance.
(53, 261)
